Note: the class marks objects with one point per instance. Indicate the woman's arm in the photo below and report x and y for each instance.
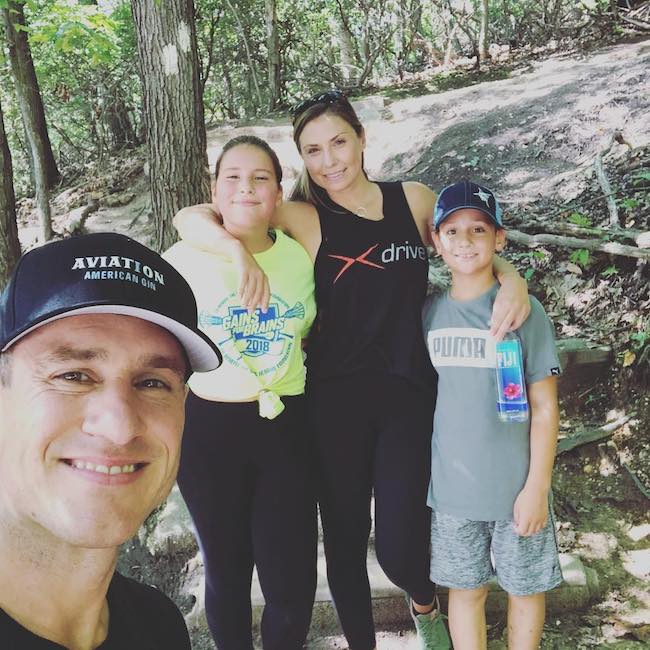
(200, 226)
(511, 304)
(421, 200)
(300, 221)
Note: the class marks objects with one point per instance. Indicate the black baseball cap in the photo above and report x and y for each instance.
(102, 273)
(467, 194)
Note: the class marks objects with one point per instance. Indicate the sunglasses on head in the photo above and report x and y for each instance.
(328, 97)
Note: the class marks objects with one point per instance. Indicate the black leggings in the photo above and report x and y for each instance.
(247, 483)
(373, 432)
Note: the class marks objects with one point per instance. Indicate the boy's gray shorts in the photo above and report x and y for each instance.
(466, 554)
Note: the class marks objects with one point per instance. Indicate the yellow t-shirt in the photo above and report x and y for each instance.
(262, 353)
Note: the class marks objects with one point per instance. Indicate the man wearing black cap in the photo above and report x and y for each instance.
(97, 335)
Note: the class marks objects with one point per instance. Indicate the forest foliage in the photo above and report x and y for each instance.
(256, 57)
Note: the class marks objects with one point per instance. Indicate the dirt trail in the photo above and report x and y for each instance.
(525, 135)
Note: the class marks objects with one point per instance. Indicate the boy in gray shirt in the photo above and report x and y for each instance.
(490, 480)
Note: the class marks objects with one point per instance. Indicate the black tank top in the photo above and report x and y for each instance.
(371, 280)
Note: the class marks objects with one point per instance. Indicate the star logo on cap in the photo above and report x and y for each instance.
(484, 196)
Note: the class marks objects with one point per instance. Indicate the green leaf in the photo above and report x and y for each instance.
(580, 219)
(580, 257)
(610, 270)
(640, 338)
(630, 204)
(528, 274)
(643, 176)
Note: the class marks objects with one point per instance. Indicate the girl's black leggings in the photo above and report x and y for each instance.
(247, 482)
(373, 433)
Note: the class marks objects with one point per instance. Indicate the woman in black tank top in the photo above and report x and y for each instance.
(371, 387)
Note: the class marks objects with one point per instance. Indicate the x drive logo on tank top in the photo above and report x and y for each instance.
(392, 253)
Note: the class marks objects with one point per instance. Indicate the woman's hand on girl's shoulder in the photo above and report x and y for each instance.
(254, 289)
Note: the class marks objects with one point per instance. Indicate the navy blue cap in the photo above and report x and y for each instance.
(102, 273)
(466, 195)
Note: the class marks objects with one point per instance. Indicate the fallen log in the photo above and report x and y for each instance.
(592, 435)
(636, 23)
(571, 229)
(76, 218)
(613, 248)
(577, 353)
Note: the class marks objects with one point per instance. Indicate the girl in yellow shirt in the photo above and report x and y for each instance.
(245, 469)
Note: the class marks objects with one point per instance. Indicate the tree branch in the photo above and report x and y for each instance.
(533, 226)
(592, 435)
(613, 248)
(604, 183)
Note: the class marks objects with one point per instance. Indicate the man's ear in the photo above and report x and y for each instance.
(500, 243)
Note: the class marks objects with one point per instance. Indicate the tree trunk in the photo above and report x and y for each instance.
(409, 18)
(273, 47)
(115, 116)
(247, 48)
(173, 109)
(9, 245)
(349, 60)
(28, 93)
(230, 100)
(483, 34)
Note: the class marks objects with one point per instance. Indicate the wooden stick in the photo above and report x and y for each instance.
(637, 23)
(604, 183)
(637, 482)
(613, 248)
(592, 435)
(578, 231)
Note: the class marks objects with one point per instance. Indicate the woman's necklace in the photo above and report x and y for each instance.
(362, 211)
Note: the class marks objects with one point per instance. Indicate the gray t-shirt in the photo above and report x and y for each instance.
(478, 463)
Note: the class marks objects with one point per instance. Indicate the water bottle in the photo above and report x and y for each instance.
(512, 403)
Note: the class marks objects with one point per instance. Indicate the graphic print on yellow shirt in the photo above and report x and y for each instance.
(262, 351)
(255, 335)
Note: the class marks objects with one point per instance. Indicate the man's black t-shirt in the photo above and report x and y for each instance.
(141, 618)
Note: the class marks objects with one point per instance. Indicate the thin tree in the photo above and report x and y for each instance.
(247, 48)
(273, 47)
(28, 92)
(173, 109)
(483, 53)
(9, 244)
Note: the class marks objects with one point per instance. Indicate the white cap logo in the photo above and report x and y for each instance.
(484, 196)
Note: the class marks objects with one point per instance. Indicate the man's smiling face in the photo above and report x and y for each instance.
(91, 417)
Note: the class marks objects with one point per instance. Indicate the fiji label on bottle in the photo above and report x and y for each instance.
(512, 404)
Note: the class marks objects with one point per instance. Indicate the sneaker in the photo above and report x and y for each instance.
(431, 628)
